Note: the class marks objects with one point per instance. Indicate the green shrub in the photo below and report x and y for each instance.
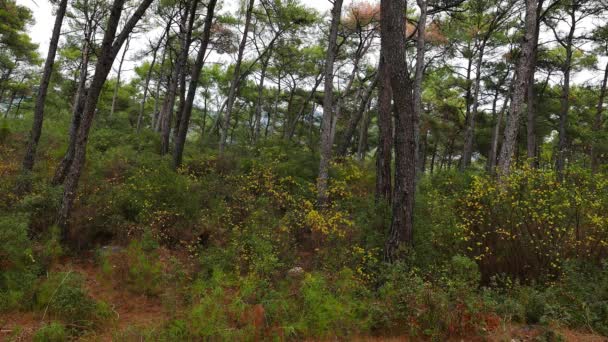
(62, 296)
(527, 225)
(327, 311)
(18, 269)
(53, 332)
(137, 267)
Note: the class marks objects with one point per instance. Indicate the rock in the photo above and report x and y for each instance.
(295, 272)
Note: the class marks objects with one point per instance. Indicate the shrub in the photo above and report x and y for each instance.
(62, 296)
(137, 267)
(18, 270)
(53, 332)
(528, 224)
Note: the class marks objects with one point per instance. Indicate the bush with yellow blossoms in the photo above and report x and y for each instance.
(527, 224)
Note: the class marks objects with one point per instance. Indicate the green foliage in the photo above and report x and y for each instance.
(137, 267)
(63, 296)
(528, 224)
(18, 270)
(53, 332)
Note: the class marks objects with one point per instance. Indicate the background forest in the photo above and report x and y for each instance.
(178, 170)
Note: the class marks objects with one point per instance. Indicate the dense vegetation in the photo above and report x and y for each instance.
(210, 182)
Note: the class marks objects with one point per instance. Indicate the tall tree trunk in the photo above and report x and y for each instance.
(66, 161)
(468, 99)
(142, 105)
(384, 153)
(560, 162)
(492, 159)
(236, 77)
(393, 50)
(18, 106)
(186, 24)
(117, 85)
(258, 103)
(187, 108)
(361, 50)
(328, 103)
(294, 124)
(356, 117)
(531, 111)
(531, 107)
(597, 123)
(419, 75)
(469, 136)
(522, 77)
(108, 51)
(362, 146)
(156, 121)
(32, 145)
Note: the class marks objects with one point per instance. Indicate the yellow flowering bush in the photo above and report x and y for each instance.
(527, 224)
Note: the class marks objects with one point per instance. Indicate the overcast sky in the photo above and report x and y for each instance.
(43, 14)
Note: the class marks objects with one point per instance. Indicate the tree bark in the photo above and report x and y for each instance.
(142, 105)
(186, 24)
(393, 48)
(156, 121)
(419, 75)
(356, 118)
(293, 125)
(560, 162)
(597, 123)
(384, 153)
(235, 80)
(258, 104)
(469, 136)
(522, 77)
(187, 108)
(117, 85)
(328, 103)
(68, 158)
(110, 47)
(531, 108)
(362, 146)
(32, 145)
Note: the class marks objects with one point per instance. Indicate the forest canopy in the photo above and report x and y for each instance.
(272, 170)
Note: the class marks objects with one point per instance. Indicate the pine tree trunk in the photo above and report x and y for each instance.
(597, 123)
(531, 107)
(560, 162)
(32, 146)
(362, 146)
(522, 77)
(117, 85)
(258, 103)
(81, 94)
(356, 118)
(142, 105)
(189, 101)
(293, 125)
(419, 75)
(157, 118)
(186, 24)
(384, 153)
(393, 48)
(235, 80)
(108, 51)
(470, 130)
(328, 103)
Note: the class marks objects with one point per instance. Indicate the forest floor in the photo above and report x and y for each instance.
(140, 311)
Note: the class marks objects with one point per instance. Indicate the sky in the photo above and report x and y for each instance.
(43, 15)
(45, 19)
